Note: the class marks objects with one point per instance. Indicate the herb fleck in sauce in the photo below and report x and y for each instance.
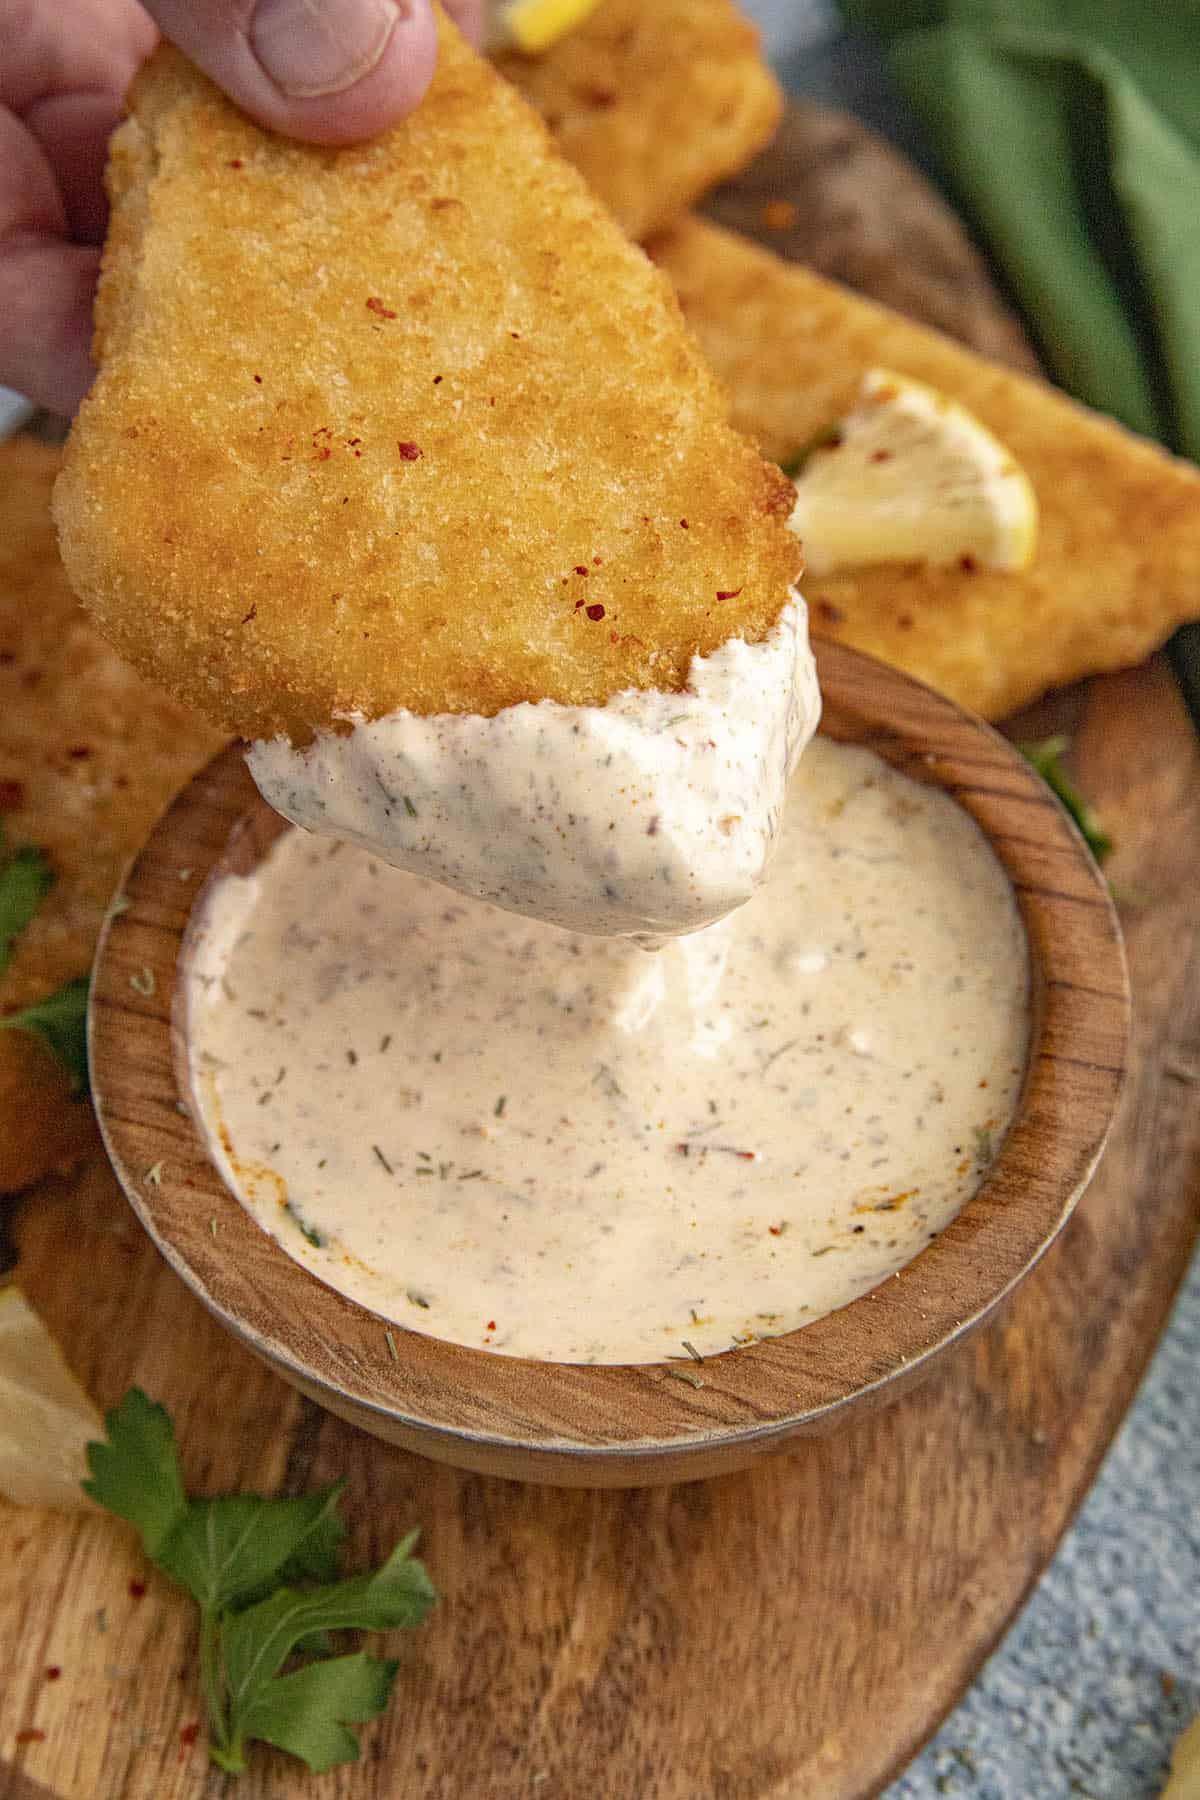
(614, 1156)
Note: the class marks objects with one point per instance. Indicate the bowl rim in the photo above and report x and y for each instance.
(460, 1403)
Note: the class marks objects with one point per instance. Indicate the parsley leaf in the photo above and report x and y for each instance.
(230, 1551)
(307, 1712)
(241, 1557)
(136, 1473)
(60, 1020)
(25, 880)
(1046, 758)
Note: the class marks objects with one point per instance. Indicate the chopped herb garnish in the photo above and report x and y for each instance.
(153, 1176)
(409, 808)
(825, 439)
(692, 1351)
(381, 1158)
(498, 1109)
(391, 1344)
(607, 1082)
(984, 1150)
(1046, 758)
(418, 1299)
(315, 1238)
(264, 1574)
(693, 1381)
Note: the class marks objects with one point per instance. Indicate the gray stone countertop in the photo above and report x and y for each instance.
(1100, 1673)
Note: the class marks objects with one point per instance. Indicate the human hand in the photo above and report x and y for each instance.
(326, 70)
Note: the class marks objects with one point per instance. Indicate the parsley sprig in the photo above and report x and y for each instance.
(1046, 758)
(60, 1019)
(264, 1574)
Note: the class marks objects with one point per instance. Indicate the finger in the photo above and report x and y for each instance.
(63, 76)
(46, 284)
(329, 71)
(468, 16)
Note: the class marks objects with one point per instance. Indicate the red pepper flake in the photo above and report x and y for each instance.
(490, 1326)
(684, 526)
(258, 378)
(77, 752)
(377, 307)
(189, 1733)
(879, 456)
(12, 795)
(579, 604)
(29, 1734)
(596, 561)
(410, 452)
(601, 97)
(437, 379)
(778, 215)
(775, 1230)
(581, 568)
(595, 612)
(252, 614)
(728, 593)
(967, 564)
(324, 453)
(138, 1589)
(53, 1672)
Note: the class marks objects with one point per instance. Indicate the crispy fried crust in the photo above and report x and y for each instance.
(405, 425)
(89, 756)
(1118, 559)
(655, 104)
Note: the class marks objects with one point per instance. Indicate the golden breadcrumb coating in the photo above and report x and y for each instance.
(89, 756)
(1117, 565)
(409, 424)
(655, 104)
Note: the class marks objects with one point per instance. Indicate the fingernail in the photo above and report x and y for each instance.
(314, 47)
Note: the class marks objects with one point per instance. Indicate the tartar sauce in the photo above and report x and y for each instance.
(655, 814)
(559, 1146)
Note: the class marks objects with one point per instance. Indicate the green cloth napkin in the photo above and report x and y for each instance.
(1071, 129)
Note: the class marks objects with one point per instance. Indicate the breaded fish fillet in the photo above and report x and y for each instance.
(1117, 565)
(655, 103)
(89, 756)
(405, 425)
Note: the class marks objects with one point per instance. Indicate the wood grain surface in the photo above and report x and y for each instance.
(581, 1426)
(788, 1633)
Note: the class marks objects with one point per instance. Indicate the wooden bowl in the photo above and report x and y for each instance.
(604, 1426)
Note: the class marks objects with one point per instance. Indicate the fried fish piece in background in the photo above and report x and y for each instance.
(404, 425)
(89, 756)
(1117, 565)
(655, 104)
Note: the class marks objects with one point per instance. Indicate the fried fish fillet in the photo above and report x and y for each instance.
(1117, 566)
(406, 425)
(655, 104)
(89, 756)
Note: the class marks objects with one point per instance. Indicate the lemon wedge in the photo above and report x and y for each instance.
(910, 476)
(533, 25)
(1185, 1766)
(46, 1418)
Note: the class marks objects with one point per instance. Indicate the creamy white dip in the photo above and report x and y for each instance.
(654, 814)
(558, 1146)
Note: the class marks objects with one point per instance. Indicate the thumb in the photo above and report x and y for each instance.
(329, 71)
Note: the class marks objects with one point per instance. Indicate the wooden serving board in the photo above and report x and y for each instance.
(790, 1633)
